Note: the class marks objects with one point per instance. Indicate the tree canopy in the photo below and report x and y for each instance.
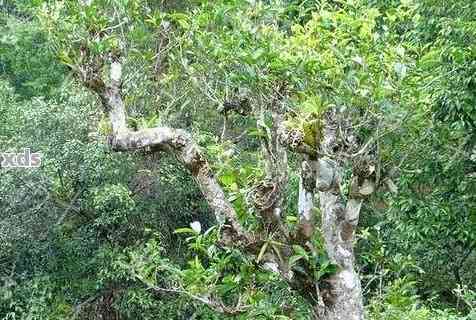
(238, 159)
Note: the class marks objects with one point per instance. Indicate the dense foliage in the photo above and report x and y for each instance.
(98, 234)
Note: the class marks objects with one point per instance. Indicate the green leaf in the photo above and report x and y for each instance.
(294, 259)
(184, 230)
(301, 252)
(262, 252)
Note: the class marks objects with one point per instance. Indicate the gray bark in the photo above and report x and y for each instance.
(307, 184)
(339, 222)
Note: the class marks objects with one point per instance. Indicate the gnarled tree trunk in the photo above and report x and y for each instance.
(176, 141)
(339, 214)
(338, 227)
(339, 218)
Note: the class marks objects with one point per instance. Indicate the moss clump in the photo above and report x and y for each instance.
(310, 128)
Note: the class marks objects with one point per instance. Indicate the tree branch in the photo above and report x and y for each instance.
(215, 304)
(176, 141)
